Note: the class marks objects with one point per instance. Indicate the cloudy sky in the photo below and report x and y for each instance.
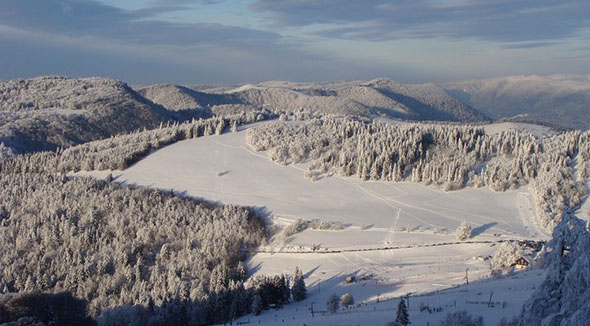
(235, 41)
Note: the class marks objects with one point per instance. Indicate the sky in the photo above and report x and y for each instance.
(239, 41)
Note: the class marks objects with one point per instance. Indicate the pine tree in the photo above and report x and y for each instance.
(332, 303)
(298, 291)
(402, 314)
(285, 290)
(256, 304)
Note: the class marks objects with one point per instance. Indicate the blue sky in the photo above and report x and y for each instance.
(236, 41)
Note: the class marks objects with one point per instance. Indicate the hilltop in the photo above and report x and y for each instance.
(45, 113)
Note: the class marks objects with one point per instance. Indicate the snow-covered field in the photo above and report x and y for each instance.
(537, 130)
(490, 299)
(399, 237)
(224, 168)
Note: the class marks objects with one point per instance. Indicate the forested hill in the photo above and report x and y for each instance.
(379, 97)
(76, 249)
(177, 98)
(45, 113)
(556, 99)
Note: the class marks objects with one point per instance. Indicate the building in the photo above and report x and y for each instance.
(520, 263)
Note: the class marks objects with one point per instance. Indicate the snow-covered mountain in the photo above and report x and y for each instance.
(45, 113)
(175, 97)
(49, 112)
(554, 99)
(428, 101)
(379, 97)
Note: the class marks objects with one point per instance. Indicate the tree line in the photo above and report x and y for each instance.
(449, 156)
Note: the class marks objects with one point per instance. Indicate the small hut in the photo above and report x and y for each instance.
(520, 263)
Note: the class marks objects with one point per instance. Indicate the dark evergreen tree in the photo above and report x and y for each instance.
(285, 290)
(256, 304)
(242, 300)
(298, 291)
(49, 309)
(263, 289)
(332, 303)
(402, 318)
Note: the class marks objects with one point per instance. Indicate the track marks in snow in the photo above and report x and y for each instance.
(523, 201)
(397, 204)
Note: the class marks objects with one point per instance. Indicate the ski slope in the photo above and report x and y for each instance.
(399, 237)
(224, 168)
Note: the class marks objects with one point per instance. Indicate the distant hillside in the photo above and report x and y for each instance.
(380, 97)
(174, 97)
(557, 99)
(428, 101)
(45, 113)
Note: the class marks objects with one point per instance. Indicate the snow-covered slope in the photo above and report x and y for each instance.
(428, 101)
(534, 129)
(555, 99)
(492, 300)
(226, 169)
(174, 97)
(399, 237)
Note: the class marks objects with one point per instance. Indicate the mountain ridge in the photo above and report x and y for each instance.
(378, 97)
(556, 99)
(49, 112)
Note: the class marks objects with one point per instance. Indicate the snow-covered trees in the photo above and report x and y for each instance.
(563, 298)
(346, 300)
(332, 303)
(115, 246)
(5, 151)
(506, 255)
(464, 231)
(43, 309)
(256, 307)
(121, 151)
(438, 154)
(461, 318)
(298, 291)
(273, 290)
(401, 317)
(450, 156)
